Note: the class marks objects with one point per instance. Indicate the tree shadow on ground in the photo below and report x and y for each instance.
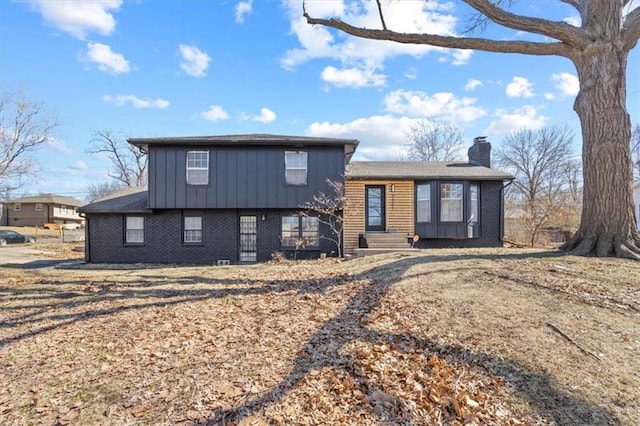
(351, 324)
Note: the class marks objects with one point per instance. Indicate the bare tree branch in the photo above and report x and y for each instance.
(631, 28)
(434, 141)
(501, 46)
(384, 25)
(128, 163)
(25, 125)
(578, 4)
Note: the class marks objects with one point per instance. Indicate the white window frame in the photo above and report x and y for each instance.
(63, 209)
(196, 177)
(134, 230)
(474, 205)
(295, 172)
(192, 230)
(38, 207)
(17, 207)
(451, 206)
(423, 215)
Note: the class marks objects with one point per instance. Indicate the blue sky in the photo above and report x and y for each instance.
(204, 67)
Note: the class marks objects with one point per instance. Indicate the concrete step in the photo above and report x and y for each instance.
(370, 251)
(383, 240)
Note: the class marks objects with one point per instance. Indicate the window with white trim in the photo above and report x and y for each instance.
(300, 231)
(197, 167)
(451, 202)
(17, 207)
(192, 229)
(134, 230)
(295, 163)
(473, 195)
(423, 198)
(63, 209)
(38, 207)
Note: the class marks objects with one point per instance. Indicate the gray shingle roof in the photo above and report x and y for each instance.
(422, 170)
(129, 200)
(49, 199)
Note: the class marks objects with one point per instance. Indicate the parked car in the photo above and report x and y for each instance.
(11, 237)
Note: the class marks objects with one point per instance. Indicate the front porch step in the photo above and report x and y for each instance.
(386, 240)
(369, 251)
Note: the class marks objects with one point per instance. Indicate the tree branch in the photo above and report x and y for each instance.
(562, 31)
(631, 28)
(578, 4)
(384, 25)
(523, 47)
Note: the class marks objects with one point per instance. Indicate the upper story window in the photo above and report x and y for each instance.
(17, 207)
(295, 163)
(423, 207)
(38, 207)
(451, 202)
(134, 230)
(197, 167)
(63, 209)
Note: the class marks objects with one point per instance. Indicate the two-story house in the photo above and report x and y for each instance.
(215, 199)
(42, 209)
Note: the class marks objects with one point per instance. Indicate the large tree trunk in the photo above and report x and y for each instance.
(608, 225)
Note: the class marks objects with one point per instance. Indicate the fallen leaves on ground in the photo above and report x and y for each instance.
(439, 337)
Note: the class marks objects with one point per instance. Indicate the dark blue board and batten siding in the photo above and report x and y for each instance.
(240, 177)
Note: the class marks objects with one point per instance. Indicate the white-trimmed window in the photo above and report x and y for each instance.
(17, 207)
(295, 163)
(451, 202)
(38, 207)
(300, 231)
(423, 208)
(192, 229)
(474, 210)
(135, 230)
(197, 167)
(63, 209)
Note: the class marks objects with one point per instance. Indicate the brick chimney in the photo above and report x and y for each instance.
(480, 152)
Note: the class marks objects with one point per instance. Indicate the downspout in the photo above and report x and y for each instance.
(502, 205)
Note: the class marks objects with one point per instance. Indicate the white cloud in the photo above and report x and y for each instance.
(506, 121)
(79, 17)
(567, 84)
(79, 165)
(519, 87)
(59, 146)
(549, 96)
(352, 77)
(383, 137)
(215, 113)
(195, 62)
(266, 116)
(443, 106)
(403, 16)
(411, 74)
(472, 84)
(243, 8)
(106, 59)
(136, 102)
(461, 57)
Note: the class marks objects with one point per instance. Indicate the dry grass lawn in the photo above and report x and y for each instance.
(488, 336)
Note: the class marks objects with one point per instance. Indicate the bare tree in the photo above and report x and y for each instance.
(25, 125)
(128, 163)
(102, 190)
(635, 150)
(599, 49)
(434, 141)
(329, 208)
(541, 162)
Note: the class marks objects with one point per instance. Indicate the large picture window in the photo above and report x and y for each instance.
(423, 200)
(300, 230)
(295, 163)
(451, 202)
(193, 229)
(135, 230)
(197, 167)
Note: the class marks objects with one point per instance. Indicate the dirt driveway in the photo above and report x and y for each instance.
(30, 256)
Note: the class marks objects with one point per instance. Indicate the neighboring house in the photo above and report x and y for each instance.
(636, 202)
(444, 204)
(42, 209)
(219, 199)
